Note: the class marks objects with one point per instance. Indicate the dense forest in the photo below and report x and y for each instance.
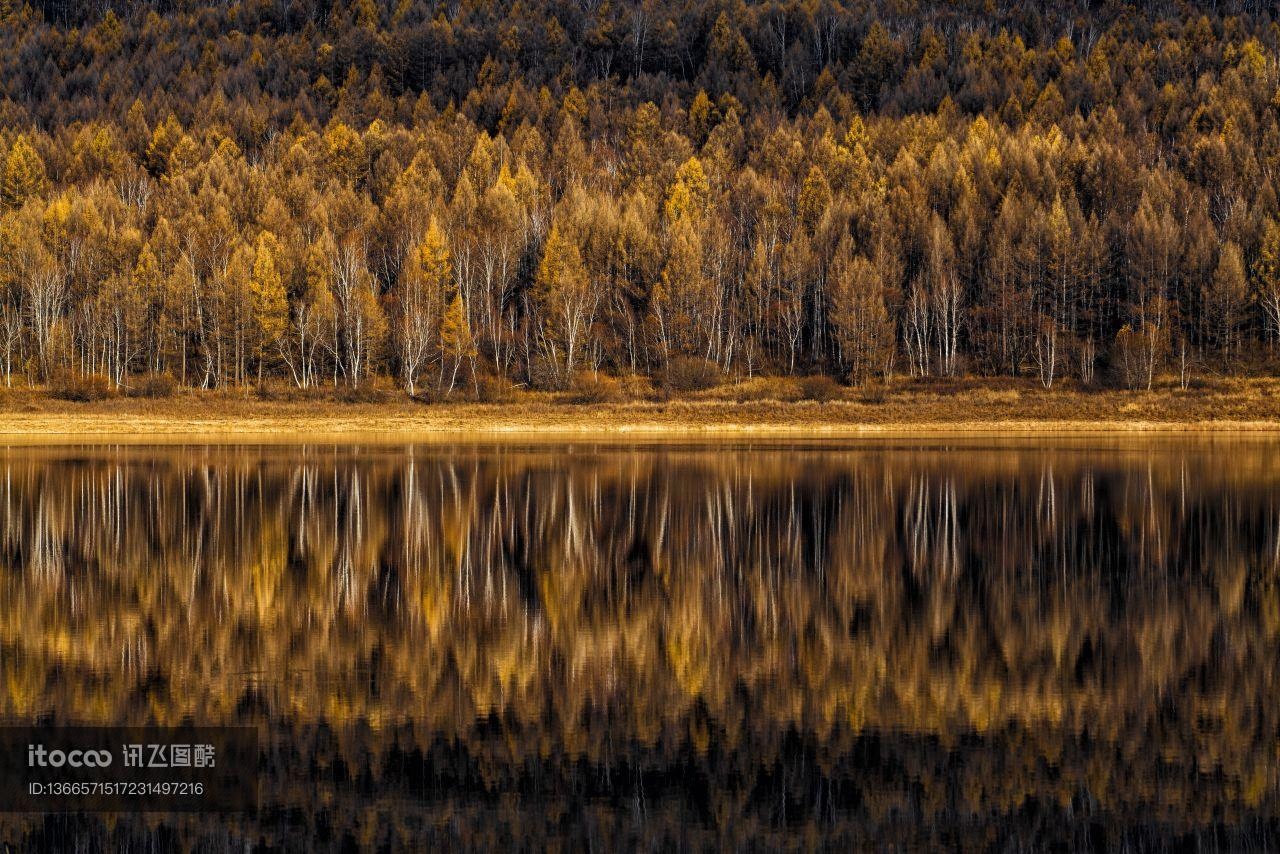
(446, 195)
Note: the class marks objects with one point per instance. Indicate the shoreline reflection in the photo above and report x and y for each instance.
(851, 638)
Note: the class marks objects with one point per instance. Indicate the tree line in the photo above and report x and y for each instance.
(337, 194)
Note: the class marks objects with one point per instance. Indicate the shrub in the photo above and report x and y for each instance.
(660, 393)
(874, 395)
(153, 386)
(367, 393)
(820, 388)
(544, 375)
(636, 387)
(273, 392)
(429, 393)
(81, 388)
(761, 389)
(687, 373)
(595, 387)
(496, 390)
(1204, 384)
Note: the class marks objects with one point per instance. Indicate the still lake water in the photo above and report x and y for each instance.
(605, 647)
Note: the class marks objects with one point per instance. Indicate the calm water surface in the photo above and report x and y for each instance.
(600, 647)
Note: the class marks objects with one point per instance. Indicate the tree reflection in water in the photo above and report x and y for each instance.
(601, 645)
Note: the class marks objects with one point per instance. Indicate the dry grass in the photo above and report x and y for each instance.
(756, 407)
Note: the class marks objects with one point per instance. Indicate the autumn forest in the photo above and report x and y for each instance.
(440, 196)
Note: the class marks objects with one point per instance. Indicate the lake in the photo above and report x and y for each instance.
(607, 647)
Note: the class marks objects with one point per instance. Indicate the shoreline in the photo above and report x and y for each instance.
(1251, 408)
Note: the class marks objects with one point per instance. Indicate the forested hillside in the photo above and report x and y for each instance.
(433, 194)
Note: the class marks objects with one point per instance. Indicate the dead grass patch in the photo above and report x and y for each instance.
(763, 406)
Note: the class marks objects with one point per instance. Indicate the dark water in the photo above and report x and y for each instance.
(610, 648)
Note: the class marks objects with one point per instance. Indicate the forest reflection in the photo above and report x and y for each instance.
(841, 637)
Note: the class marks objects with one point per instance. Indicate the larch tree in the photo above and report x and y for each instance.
(123, 308)
(23, 175)
(1224, 298)
(498, 219)
(945, 294)
(680, 295)
(148, 281)
(637, 255)
(814, 199)
(312, 319)
(164, 138)
(1153, 243)
(863, 329)
(360, 323)
(565, 305)
(1063, 268)
(345, 152)
(760, 282)
(689, 193)
(41, 277)
(426, 280)
(457, 344)
(799, 269)
(1004, 326)
(1266, 277)
(268, 302)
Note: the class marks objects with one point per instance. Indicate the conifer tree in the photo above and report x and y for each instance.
(267, 299)
(24, 173)
(1266, 276)
(565, 304)
(456, 341)
(421, 296)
